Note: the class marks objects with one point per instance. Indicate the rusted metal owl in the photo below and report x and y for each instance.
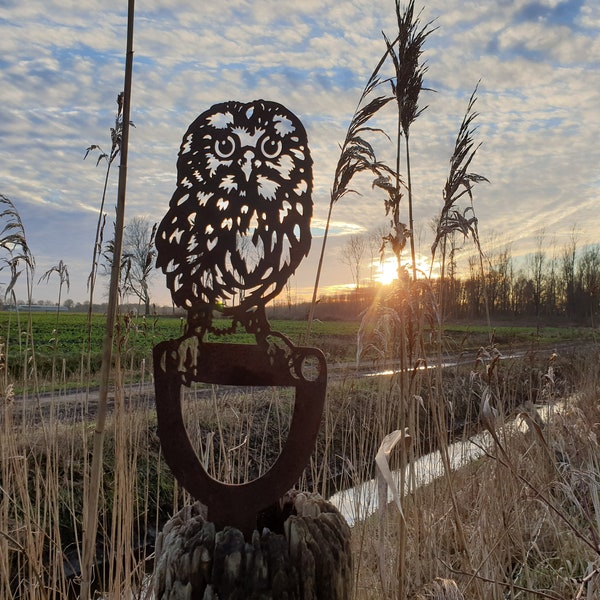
(236, 229)
(238, 223)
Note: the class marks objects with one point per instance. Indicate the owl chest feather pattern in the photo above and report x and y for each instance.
(238, 223)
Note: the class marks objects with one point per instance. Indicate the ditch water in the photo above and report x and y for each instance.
(357, 503)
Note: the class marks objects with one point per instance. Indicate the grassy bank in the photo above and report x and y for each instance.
(447, 532)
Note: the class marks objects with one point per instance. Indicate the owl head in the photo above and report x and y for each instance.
(238, 224)
(254, 149)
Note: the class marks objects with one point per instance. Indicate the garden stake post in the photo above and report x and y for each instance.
(237, 227)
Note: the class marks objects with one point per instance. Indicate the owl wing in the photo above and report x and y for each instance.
(186, 250)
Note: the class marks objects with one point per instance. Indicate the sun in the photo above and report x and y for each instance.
(387, 271)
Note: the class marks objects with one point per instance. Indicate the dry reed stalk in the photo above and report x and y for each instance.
(517, 544)
(91, 507)
(407, 84)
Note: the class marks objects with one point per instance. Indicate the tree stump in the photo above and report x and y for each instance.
(301, 553)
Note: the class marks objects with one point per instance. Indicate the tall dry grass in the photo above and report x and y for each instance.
(522, 521)
(44, 461)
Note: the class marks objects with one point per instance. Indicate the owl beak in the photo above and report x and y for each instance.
(246, 163)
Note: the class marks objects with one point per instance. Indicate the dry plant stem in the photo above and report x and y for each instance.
(508, 463)
(402, 534)
(441, 431)
(411, 222)
(313, 303)
(36, 573)
(91, 508)
(585, 581)
(114, 152)
(396, 212)
(540, 593)
(357, 155)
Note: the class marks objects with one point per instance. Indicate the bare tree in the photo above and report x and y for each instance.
(568, 256)
(504, 269)
(537, 263)
(352, 253)
(137, 259)
(588, 281)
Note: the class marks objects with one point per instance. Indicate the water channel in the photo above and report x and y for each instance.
(358, 503)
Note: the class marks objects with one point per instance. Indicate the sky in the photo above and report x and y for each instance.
(62, 66)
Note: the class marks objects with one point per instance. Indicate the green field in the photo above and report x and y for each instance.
(62, 340)
(64, 344)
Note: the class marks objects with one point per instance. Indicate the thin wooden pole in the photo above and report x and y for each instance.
(91, 509)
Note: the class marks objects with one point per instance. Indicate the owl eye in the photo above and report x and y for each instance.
(225, 148)
(270, 148)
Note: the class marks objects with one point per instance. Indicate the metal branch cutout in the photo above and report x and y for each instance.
(237, 227)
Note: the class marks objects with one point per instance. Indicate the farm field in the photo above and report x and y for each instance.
(61, 340)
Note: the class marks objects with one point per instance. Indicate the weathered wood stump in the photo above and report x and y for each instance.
(309, 558)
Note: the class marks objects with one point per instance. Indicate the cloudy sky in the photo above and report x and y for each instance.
(62, 66)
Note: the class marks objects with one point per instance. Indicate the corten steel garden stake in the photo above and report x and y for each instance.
(237, 227)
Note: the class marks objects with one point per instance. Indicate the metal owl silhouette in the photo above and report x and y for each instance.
(238, 224)
(237, 227)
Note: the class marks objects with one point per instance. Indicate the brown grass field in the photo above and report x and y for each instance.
(520, 521)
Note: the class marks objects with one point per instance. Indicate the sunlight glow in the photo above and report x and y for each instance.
(387, 271)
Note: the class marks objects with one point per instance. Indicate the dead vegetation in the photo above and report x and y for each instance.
(522, 521)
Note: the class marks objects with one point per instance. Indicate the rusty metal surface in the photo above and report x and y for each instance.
(236, 229)
(228, 504)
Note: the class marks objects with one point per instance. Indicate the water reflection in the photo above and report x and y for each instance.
(358, 503)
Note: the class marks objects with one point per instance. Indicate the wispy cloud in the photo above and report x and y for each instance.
(62, 67)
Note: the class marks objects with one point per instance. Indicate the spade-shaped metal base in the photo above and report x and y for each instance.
(188, 359)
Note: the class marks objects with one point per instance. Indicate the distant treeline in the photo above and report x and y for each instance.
(46, 306)
(566, 288)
